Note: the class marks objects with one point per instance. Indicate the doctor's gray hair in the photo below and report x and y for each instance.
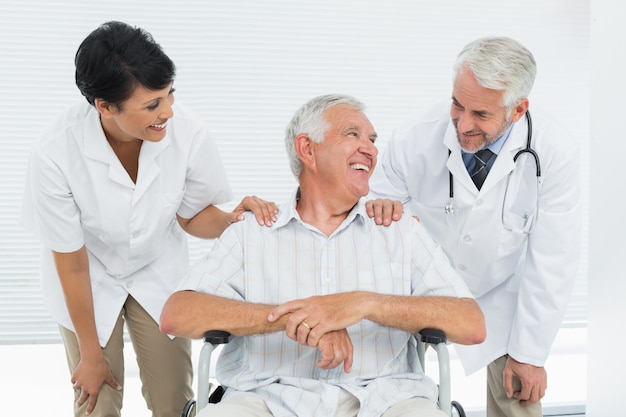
(310, 120)
(500, 63)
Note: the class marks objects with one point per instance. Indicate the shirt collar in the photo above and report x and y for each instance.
(288, 213)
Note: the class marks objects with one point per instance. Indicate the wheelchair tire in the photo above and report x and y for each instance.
(456, 406)
(190, 409)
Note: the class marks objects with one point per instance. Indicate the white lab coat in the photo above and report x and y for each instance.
(522, 282)
(78, 193)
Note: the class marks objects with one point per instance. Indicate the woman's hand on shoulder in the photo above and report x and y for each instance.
(264, 211)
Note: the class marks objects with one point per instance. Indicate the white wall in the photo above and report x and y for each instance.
(246, 65)
(607, 244)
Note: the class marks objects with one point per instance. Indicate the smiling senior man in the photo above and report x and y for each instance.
(307, 299)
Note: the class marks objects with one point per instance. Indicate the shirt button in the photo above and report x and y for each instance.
(467, 238)
(462, 267)
(135, 235)
(129, 284)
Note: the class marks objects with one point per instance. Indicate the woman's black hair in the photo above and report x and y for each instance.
(115, 58)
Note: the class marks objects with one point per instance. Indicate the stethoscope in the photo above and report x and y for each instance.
(450, 208)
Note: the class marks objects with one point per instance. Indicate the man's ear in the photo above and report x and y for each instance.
(305, 148)
(105, 108)
(519, 110)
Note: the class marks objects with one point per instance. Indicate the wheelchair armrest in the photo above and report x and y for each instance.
(216, 337)
(433, 336)
(212, 339)
(437, 339)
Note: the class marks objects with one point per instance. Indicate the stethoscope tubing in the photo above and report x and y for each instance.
(528, 149)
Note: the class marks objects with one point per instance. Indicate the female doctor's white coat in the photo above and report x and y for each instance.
(521, 281)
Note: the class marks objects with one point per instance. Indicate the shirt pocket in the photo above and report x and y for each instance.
(380, 277)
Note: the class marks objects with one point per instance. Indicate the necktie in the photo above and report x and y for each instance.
(480, 170)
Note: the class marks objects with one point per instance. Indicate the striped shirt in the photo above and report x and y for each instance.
(292, 260)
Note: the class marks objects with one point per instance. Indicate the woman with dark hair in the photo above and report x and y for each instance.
(112, 184)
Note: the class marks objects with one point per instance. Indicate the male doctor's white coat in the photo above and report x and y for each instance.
(522, 281)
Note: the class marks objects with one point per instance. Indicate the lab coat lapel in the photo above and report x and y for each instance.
(97, 148)
(455, 162)
(148, 166)
(504, 164)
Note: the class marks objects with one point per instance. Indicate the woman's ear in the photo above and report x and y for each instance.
(105, 108)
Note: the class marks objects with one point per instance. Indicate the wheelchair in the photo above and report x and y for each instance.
(211, 393)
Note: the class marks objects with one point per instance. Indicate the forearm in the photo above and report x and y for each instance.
(460, 318)
(207, 224)
(73, 271)
(190, 314)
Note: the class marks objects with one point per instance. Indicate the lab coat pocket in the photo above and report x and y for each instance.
(170, 203)
(168, 207)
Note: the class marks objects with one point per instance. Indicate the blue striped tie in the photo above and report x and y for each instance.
(480, 170)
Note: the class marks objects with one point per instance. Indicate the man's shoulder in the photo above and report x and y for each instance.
(403, 226)
(550, 136)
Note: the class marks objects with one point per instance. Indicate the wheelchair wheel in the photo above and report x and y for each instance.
(457, 409)
(190, 409)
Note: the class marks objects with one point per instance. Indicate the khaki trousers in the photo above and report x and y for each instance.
(498, 405)
(165, 367)
(254, 406)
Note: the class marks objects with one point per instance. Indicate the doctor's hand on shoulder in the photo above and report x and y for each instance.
(384, 210)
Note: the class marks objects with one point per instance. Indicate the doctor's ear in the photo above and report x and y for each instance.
(519, 110)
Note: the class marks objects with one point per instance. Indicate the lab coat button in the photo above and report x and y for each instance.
(467, 239)
(479, 202)
(462, 267)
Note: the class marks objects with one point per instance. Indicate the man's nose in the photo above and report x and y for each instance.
(466, 122)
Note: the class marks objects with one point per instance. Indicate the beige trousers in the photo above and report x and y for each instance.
(165, 367)
(498, 405)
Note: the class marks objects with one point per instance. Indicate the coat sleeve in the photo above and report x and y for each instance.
(551, 264)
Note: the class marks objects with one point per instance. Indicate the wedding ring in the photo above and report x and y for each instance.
(306, 325)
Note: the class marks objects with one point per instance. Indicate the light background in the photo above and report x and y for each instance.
(246, 66)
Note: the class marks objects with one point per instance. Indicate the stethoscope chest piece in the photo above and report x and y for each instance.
(450, 208)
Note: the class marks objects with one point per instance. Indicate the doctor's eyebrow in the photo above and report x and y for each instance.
(479, 113)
